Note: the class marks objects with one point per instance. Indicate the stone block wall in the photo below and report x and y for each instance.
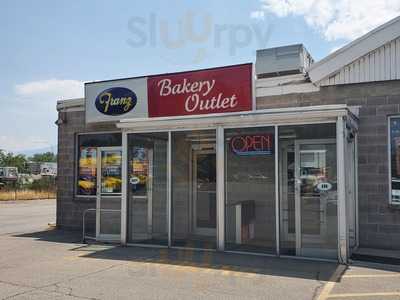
(69, 207)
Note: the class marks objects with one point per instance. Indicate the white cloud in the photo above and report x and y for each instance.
(34, 106)
(337, 19)
(56, 88)
(13, 143)
(257, 14)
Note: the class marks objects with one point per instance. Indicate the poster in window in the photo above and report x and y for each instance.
(395, 159)
(87, 171)
(139, 170)
(111, 172)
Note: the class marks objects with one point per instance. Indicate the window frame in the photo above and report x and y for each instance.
(76, 161)
(389, 157)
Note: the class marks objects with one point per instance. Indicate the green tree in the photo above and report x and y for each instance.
(9, 159)
(44, 157)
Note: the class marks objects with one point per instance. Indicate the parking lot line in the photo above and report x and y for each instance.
(353, 295)
(370, 275)
(332, 280)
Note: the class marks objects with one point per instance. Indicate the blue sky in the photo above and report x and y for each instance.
(49, 48)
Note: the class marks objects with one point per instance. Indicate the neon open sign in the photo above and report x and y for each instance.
(257, 144)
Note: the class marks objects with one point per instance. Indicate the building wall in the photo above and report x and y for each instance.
(382, 63)
(379, 222)
(69, 207)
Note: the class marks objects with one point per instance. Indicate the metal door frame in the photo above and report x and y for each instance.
(297, 145)
(99, 196)
(148, 196)
(195, 151)
(284, 150)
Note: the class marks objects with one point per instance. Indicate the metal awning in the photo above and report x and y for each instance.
(281, 116)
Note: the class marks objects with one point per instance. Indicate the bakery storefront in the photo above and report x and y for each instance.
(186, 160)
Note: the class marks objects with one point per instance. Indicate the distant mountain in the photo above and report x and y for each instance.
(31, 152)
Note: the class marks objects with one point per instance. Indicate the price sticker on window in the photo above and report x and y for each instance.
(324, 186)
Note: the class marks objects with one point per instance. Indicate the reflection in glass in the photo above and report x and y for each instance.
(250, 190)
(194, 189)
(110, 200)
(147, 188)
(205, 182)
(308, 190)
(395, 159)
(87, 171)
(87, 159)
(111, 172)
(318, 197)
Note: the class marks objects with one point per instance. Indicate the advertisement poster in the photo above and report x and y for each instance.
(139, 170)
(111, 172)
(395, 158)
(87, 171)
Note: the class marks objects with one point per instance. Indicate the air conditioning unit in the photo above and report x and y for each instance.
(280, 61)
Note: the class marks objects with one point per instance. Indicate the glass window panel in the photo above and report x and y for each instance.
(147, 188)
(194, 189)
(250, 190)
(395, 159)
(110, 185)
(111, 172)
(87, 156)
(307, 172)
(87, 170)
(100, 140)
(110, 215)
(318, 198)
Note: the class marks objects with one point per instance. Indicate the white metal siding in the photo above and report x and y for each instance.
(378, 65)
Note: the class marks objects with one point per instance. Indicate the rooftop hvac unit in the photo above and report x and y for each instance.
(279, 61)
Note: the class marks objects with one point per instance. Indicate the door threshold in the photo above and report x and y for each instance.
(310, 258)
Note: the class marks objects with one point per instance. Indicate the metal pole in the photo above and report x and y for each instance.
(277, 210)
(169, 191)
(341, 192)
(220, 189)
(83, 226)
(124, 196)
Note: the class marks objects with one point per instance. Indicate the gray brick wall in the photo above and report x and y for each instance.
(379, 222)
(69, 207)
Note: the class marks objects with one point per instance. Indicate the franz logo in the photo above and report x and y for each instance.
(116, 101)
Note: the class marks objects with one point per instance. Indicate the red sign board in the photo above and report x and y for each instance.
(257, 144)
(220, 90)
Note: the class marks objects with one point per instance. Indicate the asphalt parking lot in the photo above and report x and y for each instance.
(44, 263)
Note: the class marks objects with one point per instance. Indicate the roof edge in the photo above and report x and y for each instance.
(69, 103)
(354, 50)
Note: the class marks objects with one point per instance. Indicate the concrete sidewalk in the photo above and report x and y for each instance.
(52, 264)
(37, 262)
(26, 215)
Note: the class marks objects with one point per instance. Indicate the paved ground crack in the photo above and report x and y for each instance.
(57, 285)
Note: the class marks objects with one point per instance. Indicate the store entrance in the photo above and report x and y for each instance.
(108, 212)
(204, 190)
(194, 182)
(309, 198)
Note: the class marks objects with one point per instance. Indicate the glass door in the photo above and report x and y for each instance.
(109, 184)
(193, 189)
(287, 192)
(147, 188)
(316, 198)
(204, 192)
